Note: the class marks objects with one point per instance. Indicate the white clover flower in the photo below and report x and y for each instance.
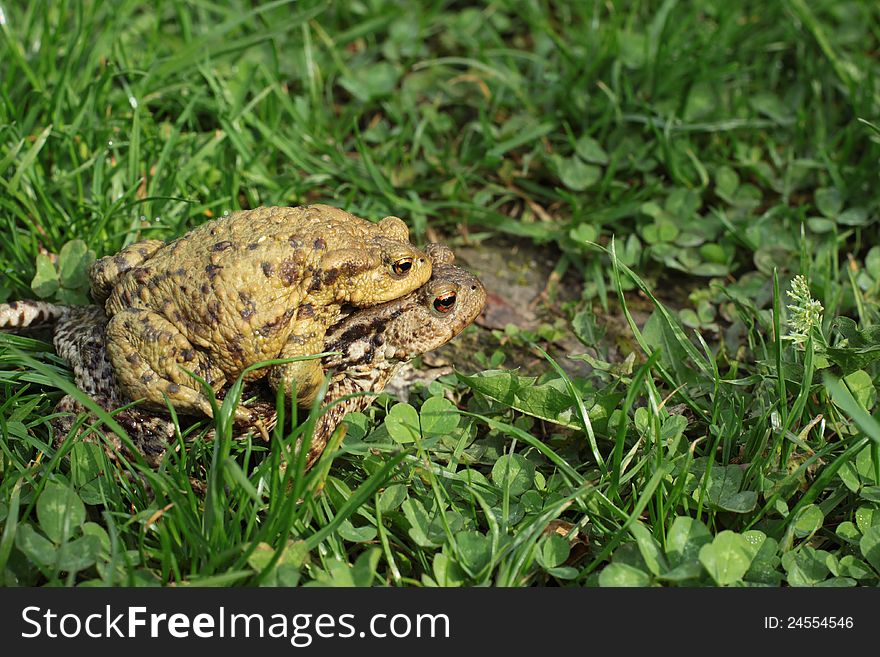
(806, 312)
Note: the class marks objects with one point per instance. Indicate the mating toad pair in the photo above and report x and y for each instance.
(269, 283)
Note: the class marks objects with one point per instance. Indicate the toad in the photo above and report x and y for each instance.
(248, 287)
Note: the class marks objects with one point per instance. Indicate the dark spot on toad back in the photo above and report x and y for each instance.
(268, 269)
(133, 358)
(188, 354)
(173, 388)
(330, 276)
(305, 311)
(222, 246)
(212, 271)
(320, 244)
(252, 246)
(250, 308)
(269, 327)
(287, 272)
(205, 288)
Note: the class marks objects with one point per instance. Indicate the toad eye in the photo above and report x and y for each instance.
(443, 303)
(402, 266)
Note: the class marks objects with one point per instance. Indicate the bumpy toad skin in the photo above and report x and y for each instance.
(252, 286)
(373, 344)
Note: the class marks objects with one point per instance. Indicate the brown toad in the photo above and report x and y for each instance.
(375, 343)
(251, 286)
(372, 344)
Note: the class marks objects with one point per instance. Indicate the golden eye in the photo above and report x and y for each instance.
(402, 266)
(443, 303)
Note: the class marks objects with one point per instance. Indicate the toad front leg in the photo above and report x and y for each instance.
(336, 409)
(149, 355)
(305, 376)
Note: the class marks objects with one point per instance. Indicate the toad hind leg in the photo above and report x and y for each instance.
(150, 434)
(149, 355)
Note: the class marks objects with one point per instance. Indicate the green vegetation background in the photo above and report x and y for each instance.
(705, 152)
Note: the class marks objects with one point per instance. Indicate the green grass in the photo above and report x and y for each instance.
(684, 161)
